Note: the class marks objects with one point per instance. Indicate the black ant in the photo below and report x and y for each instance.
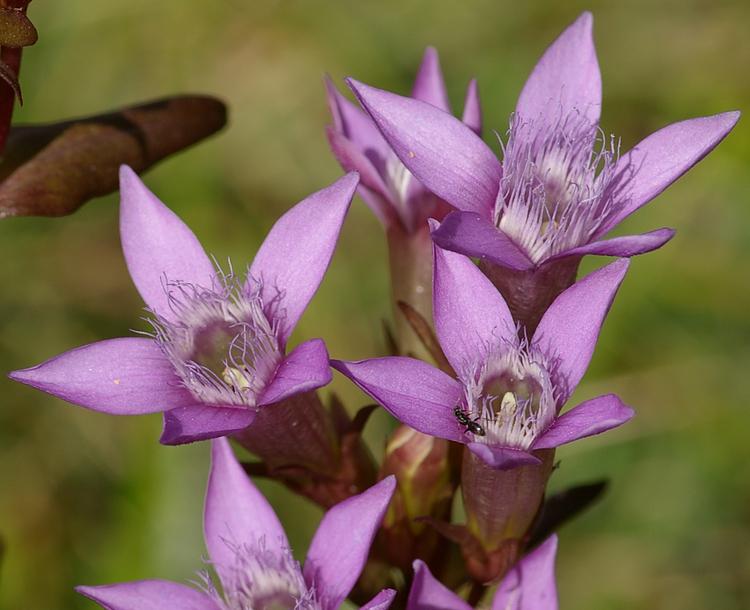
(472, 425)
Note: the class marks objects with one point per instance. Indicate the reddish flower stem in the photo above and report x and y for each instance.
(11, 56)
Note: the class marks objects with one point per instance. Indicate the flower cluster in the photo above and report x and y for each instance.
(486, 356)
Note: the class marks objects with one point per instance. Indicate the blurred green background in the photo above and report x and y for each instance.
(89, 498)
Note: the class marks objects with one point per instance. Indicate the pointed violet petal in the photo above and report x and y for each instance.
(340, 547)
(472, 235)
(128, 376)
(472, 116)
(306, 368)
(158, 246)
(352, 158)
(625, 246)
(357, 127)
(566, 79)
(570, 327)
(531, 584)
(382, 601)
(660, 159)
(471, 317)
(200, 422)
(427, 593)
(429, 85)
(236, 514)
(148, 595)
(587, 419)
(294, 257)
(443, 153)
(414, 392)
(502, 458)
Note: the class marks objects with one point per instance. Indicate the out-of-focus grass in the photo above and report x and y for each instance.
(89, 498)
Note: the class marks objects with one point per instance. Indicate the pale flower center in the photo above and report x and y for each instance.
(557, 188)
(263, 579)
(511, 397)
(220, 342)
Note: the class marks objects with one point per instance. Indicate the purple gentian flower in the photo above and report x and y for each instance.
(561, 187)
(530, 585)
(387, 187)
(512, 389)
(217, 353)
(249, 550)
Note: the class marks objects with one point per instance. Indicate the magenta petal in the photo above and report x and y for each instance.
(236, 514)
(472, 235)
(352, 158)
(471, 317)
(340, 547)
(306, 368)
(148, 595)
(294, 257)
(382, 601)
(570, 327)
(443, 153)
(128, 376)
(472, 116)
(626, 246)
(427, 593)
(502, 458)
(587, 419)
(660, 159)
(357, 126)
(158, 246)
(531, 584)
(200, 422)
(414, 392)
(566, 79)
(429, 85)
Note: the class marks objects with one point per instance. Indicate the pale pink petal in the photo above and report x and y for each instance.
(148, 595)
(413, 391)
(428, 593)
(471, 317)
(569, 329)
(587, 419)
(531, 584)
(236, 514)
(472, 116)
(128, 376)
(294, 257)
(656, 162)
(566, 79)
(340, 547)
(445, 155)
(429, 85)
(199, 422)
(158, 246)
(305, 369)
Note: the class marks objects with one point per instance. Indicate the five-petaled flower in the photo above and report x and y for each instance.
(512, 388)
(389, 189)
(217, 351)
(530, 585)
(250, 553)
(561, 186)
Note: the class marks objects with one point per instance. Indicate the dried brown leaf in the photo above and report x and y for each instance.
(51, 170)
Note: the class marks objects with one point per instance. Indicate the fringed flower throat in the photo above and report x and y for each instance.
(558, 186)
(219, 341)
(263, 579)
(509, 398)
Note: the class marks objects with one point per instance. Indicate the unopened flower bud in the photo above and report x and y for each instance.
(424, 489)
